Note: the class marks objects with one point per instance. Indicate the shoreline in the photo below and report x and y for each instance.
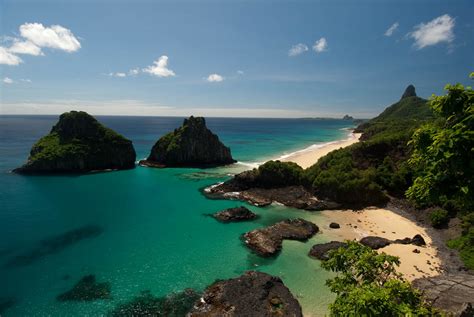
(371, 221)
(310, 155)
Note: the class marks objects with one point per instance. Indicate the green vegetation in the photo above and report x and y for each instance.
(279, 174)
(464, 243)
(368, 285)
(439, 218)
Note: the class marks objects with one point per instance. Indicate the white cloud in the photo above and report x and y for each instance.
(8, 58)
(159, 68)
(134, 72)
(297, 49)
(391, 29)
(117, 74)
(240, 72)
(436, 31)
(320, 45)
(55, 36)
(25, 80)
(7, 80)
(214, 78)
(25, 47)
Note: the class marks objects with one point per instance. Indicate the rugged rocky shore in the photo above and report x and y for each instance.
(268, 241)
(78, 143)
(191, 145)
(252, 294)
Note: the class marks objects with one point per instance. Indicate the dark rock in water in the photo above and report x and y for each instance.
(347, 117)
(78, 143)
(268, 241)
(54, 245)
(191, 145)
(375, 242)
(409, 92)
(173, 305)
(87, 289)
(320, 251)
(251, 294)
(234, 214)
(5, 303)
(452, 293)
(334, 225)
(418, 240)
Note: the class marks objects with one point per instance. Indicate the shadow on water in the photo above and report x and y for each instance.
(87, 289)
(54, 244)
(6, 303)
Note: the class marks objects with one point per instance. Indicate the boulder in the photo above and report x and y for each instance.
(452, 293)
(78, 143)
(251, 294)
(418, 240)
(191, 145)
(87, 289)
(234, 214)
(375, 242)
(320, 251)
(268, 241)
(334, 225)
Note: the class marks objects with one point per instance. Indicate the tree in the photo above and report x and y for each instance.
(367, 284)
(443, 151)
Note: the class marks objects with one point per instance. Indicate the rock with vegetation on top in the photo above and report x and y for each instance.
(321, 251)
(234, 214)
(191, 145)
(79, 143)
(251, 294)
(87, 289)
(268, 241)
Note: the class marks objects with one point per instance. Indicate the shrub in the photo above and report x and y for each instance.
(439, 218)
(279, 174)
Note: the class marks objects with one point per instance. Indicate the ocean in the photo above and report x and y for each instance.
(153, 232)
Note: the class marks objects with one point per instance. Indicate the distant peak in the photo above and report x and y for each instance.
(409, 92)
(195, 121)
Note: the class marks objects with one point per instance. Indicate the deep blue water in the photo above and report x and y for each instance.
(155, 233)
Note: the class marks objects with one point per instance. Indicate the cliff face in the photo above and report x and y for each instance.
(78, 143)
(191, 145)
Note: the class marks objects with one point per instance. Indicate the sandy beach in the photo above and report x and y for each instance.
(307, 157)
(374, 222)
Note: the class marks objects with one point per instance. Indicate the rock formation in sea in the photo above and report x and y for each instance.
(452, 293)
(87, 289)
(146, 304)
(268, 241)
(78, 143)
(235, 214)
(347, 117)
(191, 145)
(252, 294)
(321, 251)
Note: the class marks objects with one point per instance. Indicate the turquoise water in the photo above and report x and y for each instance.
(156, 235)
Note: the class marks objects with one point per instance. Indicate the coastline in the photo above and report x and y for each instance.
(309, 156)
(371, 221)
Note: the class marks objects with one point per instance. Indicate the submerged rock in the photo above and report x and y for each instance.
(252, 294)
(54, 245)
(320, 251)
(78, 143)
(234, 214)
(191, 145)
(173, 305)
(453, 293)
(5, 303)
(375, 242)
(87, 289)
(268, 241)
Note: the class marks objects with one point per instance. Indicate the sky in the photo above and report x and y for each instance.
(229, 58)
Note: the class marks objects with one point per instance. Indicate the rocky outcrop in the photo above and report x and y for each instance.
(191, 145)
(321, 251)
(250, 295)
(409, 92)
(379, 242)
(234, 214)
(453, 293)
(268, 241)
(87, 289)
(78, 143)
(347, 117)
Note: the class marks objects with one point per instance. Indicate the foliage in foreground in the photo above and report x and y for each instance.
(367, 284)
